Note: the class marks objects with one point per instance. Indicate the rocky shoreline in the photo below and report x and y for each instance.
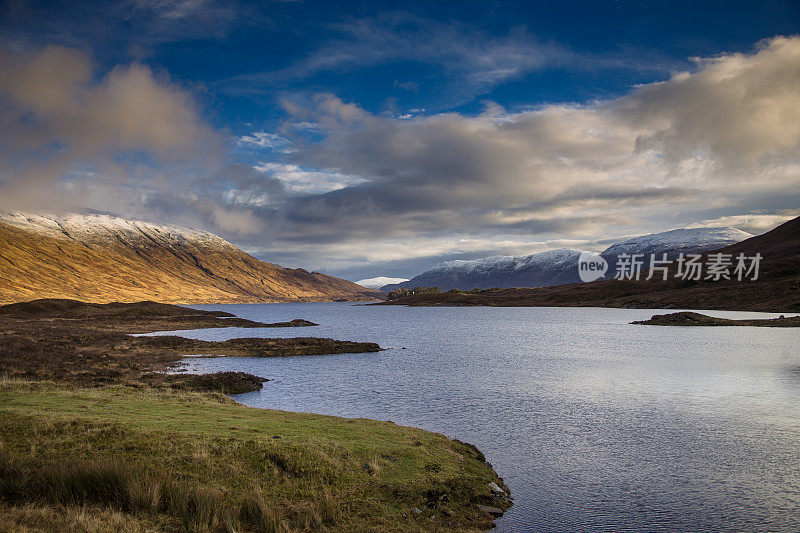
(688, 318)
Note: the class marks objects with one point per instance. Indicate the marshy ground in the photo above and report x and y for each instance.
(90, 344)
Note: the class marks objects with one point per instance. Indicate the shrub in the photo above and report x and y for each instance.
(403, 292)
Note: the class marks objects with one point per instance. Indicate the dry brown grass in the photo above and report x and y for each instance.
(38, 266)
(44, 518)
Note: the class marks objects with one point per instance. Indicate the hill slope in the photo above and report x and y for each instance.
(557, 267)
(777, 288)
(99, 258)
(674, 242)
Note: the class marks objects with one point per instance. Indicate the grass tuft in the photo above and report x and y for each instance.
(198, 508)
(260, 516)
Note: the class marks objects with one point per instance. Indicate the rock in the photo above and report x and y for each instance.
(494, 511)
(495, 488)
(417, 510)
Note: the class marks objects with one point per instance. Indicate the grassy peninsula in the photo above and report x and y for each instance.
(93, 438)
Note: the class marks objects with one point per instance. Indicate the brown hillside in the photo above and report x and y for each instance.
(128, 261)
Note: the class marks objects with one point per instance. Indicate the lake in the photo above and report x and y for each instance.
(594, 423)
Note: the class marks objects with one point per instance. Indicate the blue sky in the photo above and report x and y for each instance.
(368, 139)
(244, 57)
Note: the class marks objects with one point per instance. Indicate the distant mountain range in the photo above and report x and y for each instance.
(776, 289)
(101, 258)
(556, 267)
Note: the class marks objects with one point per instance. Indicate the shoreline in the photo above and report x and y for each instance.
(628, 295)
(93, 398)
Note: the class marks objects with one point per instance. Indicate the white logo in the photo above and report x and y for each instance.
(591, 266)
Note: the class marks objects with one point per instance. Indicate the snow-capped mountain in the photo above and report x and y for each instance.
(674, 242)
(538, 270)
(557, 267)
(102, 258)
(111, 230)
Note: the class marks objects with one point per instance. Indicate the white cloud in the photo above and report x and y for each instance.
(301, 180)
(263, 139)
(380, 281)
(474, 61)
(717, 138)
(704, 145)
(240, 222)
(61, 119)
(361, 253)
(751, 223)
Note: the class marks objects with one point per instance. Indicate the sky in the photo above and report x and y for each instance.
(369, 139)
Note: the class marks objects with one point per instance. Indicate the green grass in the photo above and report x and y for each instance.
(189, 461)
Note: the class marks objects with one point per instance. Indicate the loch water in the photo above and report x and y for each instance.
(594, 423)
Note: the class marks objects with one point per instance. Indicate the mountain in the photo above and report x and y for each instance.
(101, 258)
(557, 267)
(537, 270)
(673, 243)
(777, 288)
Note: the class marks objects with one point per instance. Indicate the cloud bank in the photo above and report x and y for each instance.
(721, 140)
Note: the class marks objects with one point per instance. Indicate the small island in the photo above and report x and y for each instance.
(688, 318)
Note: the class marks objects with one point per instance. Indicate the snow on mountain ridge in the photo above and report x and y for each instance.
(560, 266)
(93, 228)
(380, 281)
(689, 239)
(553, 257)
